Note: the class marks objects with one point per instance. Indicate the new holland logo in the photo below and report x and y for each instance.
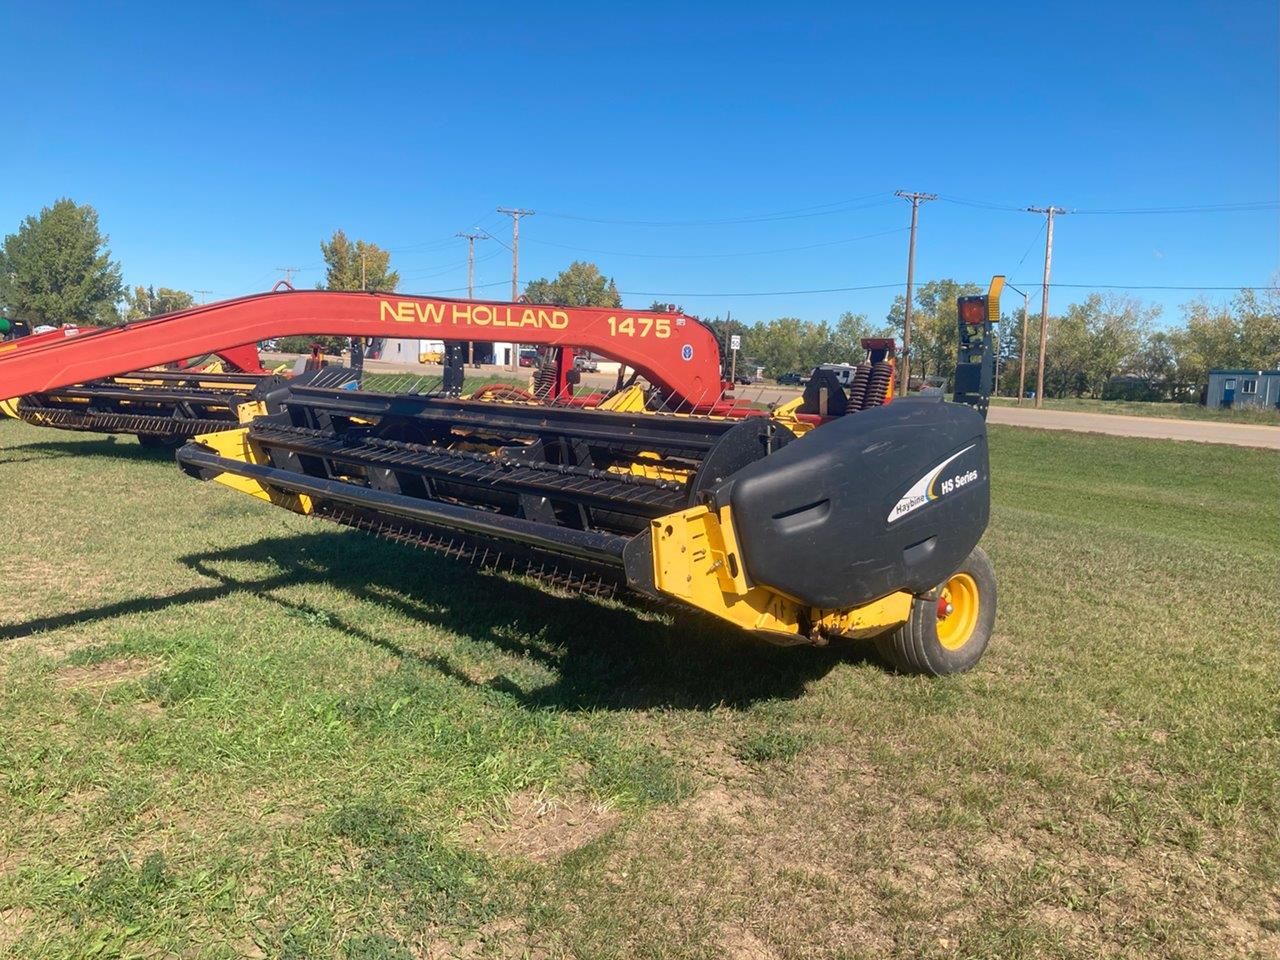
(927, 488)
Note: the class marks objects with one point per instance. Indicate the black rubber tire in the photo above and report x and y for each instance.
(156, 441)
(914, 646)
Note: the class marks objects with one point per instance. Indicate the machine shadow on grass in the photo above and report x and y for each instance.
(118, 448)
(603, 654)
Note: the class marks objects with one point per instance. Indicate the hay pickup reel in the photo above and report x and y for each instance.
(161, 407)
(820, 519)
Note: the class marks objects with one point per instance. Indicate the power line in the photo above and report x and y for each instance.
(432, 272)
(983, 204)
(1201, 208)
(887, 286)
(819, 210)
(1243, 207)
(439, 242)
(1026, 253)
(760, 293)
(477, 286)
(498, 240)
(719, 256)
(1131, 286)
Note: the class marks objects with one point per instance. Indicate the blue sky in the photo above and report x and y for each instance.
(220, 144)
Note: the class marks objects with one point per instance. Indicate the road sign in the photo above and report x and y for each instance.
(735, 342)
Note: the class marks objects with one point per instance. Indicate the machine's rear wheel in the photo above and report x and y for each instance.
(949, 634)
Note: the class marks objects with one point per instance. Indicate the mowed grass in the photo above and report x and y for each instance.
(432, 382)
(229, 731)
(1138, 408)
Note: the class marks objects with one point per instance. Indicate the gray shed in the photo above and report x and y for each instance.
(1239, 388)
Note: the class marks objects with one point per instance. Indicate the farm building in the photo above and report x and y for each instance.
(415, 350)
(1238, 388)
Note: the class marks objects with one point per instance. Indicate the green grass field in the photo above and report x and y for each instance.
(228, 731)
(1177, 411)
(401, 382)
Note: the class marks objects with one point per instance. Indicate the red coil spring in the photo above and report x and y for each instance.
(878, 387)
(858, 392)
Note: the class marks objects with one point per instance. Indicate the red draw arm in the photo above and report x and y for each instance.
(674, 352)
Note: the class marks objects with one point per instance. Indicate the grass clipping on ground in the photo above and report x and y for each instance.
(229, 731)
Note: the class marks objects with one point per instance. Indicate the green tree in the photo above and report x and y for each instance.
(1244, 333)
(846, 338)
(724, 329)
(1207, 338)
(1095, 340)
(1009, 333)
(580, 284)
(1118, 329)
(356, 266)
(1156, 362)
(792, 345)
(57, 269)
(934, 332)
(1066, 355)
(1258, 317)
(143, 302)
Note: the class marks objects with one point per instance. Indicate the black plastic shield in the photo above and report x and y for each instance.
(888, 499)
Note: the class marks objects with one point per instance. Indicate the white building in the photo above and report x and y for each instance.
(413, 351)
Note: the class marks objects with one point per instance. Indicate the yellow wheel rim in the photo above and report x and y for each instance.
(957, 611)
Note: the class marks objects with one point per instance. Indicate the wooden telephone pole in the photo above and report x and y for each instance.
(1050, 211)
(916, 199)
(471, 239)
(1022, 357)
(515, 213)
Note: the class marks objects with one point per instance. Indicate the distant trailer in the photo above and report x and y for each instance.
(1243, 388)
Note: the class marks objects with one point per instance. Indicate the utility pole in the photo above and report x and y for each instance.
(467, 346)
(471, 239)
(515, 213)
(1050, 211)
(203, 294)
(1022, 357)
(734, 343)
(916, 199)
(288, 274)
(362, 285)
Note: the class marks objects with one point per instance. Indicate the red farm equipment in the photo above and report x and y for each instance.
(839, 514)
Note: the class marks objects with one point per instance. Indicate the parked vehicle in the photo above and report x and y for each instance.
(844, 372)
(790, 380)
(528, 358)
(585, 363)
